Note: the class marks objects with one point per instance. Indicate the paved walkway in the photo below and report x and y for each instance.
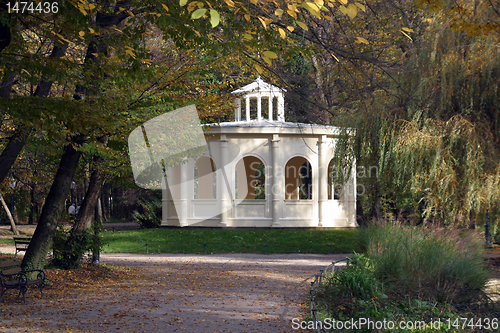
(177, 293)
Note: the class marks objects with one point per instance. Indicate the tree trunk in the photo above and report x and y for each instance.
(31, 218)
(53, 207)
(86, 214)
(105, 203)
(12, 150)
(9, 215)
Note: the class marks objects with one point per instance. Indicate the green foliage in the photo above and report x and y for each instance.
(410, 274)
(87, 241)
(152, 216)
(73, 257)
(357, 280)
(431, 263)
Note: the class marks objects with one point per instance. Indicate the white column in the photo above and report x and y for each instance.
(277, 186)
(322, 179)
(237, 110)
(221, 181)
(247, 102)
(270, 107)
(165, 200)
(183, 214)
(281, 108)
(259, 108)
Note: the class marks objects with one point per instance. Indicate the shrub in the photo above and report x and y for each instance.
(69, 258)
(151, 217)
(357, 280)
(434, 263)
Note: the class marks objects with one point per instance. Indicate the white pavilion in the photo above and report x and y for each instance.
(261, 171)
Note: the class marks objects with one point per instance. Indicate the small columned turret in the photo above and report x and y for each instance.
(260, 91)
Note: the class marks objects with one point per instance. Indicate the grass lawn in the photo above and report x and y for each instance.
(173, 240)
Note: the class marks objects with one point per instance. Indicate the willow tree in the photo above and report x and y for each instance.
(431, 128)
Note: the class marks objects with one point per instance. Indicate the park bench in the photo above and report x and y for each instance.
(13, 277)
(22, 243)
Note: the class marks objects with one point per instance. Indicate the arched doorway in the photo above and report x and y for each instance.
(205, 179)
(298, 179)
(250, 178)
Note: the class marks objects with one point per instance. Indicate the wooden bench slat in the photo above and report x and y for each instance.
(5, 264)
(22, 243)
(12, 271)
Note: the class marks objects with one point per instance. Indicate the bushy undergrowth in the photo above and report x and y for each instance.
(69, 257)
(150, 216)
(431, 263)
(410, 273)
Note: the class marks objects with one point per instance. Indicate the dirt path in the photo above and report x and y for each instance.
(176, 293)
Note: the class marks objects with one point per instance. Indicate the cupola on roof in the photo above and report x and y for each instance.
(259, 91)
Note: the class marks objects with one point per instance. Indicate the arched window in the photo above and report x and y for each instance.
(250, 178)
(205, 179)
(298, 179)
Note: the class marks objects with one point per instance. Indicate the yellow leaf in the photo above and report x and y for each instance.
(255, 2)
(182, 3)
(198, 13)
(62, 38)
(292, 11)
(320, 3)
(91, 6)
(282, 33)
(230, 3)
(290, 28)
(259, 69)
(248, 36)
(81, 33)
(266, 59)
(278, 12)
(270, 54)
(362, 40)
(407, 29)
(91, 30)
(23, 70)
(344, 2)
(334, 57)
(121, 9)
(404, 33)
(130, 53)
(263, 22)
(95, 54)
(147, 61)
(247, 17)
(214, 18)
(130, 13)
(352, 11)
(329, 18)
(361, 6)
(192, 5)
(343, 9)
(303, 25)
(116, 30)
(165, 6)
(312, 8)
